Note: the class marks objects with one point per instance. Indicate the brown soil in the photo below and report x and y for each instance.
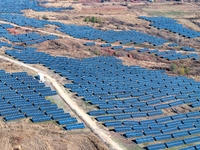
(25, 135)
(65, 47)
(11, 67)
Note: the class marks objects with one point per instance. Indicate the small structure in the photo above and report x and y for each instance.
(41, 76)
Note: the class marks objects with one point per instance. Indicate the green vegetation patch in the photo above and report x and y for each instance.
(181, 70)
(164, 13)
(93, 19)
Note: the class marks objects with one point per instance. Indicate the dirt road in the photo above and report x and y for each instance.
(104, 135)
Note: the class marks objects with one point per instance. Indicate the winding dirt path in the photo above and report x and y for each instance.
(104, 135)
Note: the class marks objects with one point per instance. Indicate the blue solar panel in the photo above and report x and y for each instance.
(171, 25)
(115, 89)
(123, 129)
(163, 137)
(191, 140)
(14, 117)
(113, 124)
(156, 146)
(20, 101)
(180, 134)
(67, 121)
(74, 126)
(188, 148)
(144, 139)
(133, 134)
(174, 143)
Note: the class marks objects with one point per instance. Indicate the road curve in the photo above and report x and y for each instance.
(63, 94)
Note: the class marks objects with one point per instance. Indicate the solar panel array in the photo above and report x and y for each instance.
(123, 95)
(173, 55)
(117, 47)
(28, 38)
(187, 48)
(106, 45)
(171, 25)
(89, 44)
(22, 96)
(173, 45)
(14, 15)
(17, 6)
(170, 54)
(109, 36)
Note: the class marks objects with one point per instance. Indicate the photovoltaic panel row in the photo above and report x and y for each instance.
(20, 100)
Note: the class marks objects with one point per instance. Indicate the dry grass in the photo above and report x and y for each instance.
(20, 135)
(65, 47)
(172, 10)
(11, 67)
(187, 23)
(144, 64)
(26, 135)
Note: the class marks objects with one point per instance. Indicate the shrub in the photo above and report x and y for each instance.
(93, 19)
(116, 54)
(181, 71)
(44, 17)
(99, 20)
(86, 19)
(96, 52)
(187, 70)
(173, 67)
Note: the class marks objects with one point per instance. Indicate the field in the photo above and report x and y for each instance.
(117, 16)
(125, 19)
(23, 134)
(26, 135)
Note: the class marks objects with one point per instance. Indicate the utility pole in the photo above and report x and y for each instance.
(177, 38)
